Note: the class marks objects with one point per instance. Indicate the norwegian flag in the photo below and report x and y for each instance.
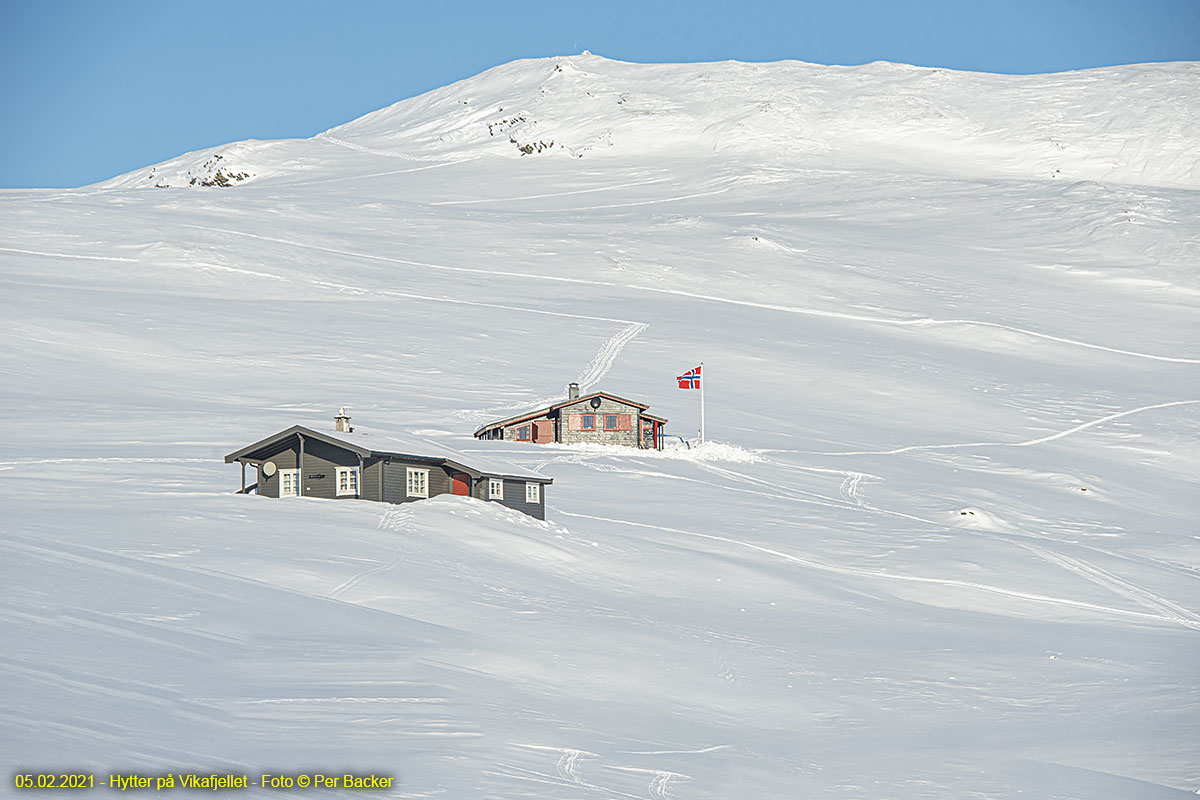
(690, 379)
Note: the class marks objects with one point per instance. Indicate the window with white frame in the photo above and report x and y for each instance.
(347, 481)
(533, 493)
(495, 489)
(289, 483)
(418, 482)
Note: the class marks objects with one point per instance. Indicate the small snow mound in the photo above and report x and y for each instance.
(706, 451)
(711, 451)
(981, 520)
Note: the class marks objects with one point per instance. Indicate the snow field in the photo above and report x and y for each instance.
(941, 545)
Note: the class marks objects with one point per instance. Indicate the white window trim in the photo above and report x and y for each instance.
(495, 493)
(351, 490)
(295, 476)
(533, 493)
(423, 489)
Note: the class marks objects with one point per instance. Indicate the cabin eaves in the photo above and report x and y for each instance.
(304, 461)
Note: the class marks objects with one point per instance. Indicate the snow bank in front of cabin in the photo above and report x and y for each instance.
(674, 450)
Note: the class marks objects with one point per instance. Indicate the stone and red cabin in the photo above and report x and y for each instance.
(596, 418)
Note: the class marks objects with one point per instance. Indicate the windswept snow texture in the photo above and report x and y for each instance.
(942, 545)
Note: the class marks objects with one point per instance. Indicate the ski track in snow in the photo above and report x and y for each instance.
(880, 575)
(392, 519)
(66, 255)
(820, 500)
(592, 374)
(363, 177)
(922, 322)
(1120, 586)
(661, 784)
(1029, 443)
(649, 202)
(660, 781)
(606, 356)
(4, 465)
(566, 765)
(566, 771)
(849, 490)
(711, 749)
(157, 356)
(370, 291)
(325, 137)
(551, 194)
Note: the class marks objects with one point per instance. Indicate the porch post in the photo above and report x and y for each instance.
(242, 488)
(300, 468)
(358, 490)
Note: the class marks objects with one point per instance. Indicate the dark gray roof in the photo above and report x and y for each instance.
(371, 444)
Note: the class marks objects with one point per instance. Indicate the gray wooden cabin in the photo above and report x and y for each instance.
(343, 465)
(596, 418)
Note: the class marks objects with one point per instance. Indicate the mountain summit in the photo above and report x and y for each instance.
(1131, 124)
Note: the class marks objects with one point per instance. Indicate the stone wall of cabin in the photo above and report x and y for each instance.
(628, 438)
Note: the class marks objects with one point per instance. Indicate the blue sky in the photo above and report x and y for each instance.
(90, 90)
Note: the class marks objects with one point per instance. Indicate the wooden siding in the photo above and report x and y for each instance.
(543, 431)
(284, 457)
(389, 474)
(514, 498)
(395, 480)
(320, 459)
(319, 473)
(368, 482)
(510, 431)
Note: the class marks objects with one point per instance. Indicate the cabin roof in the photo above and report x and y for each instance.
(569, 402)
(371, 444)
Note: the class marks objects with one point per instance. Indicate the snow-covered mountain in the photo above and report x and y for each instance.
(942, 543)
(1132, 124)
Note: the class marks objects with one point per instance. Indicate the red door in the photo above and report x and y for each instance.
(543, 431)
(461, 484)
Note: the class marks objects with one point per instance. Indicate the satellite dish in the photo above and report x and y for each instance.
(268, 468)
(595, 402)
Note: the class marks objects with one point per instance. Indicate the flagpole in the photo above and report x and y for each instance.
(703, 380)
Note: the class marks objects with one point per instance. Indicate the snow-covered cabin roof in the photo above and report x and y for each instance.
(371, 444)
(569, 401)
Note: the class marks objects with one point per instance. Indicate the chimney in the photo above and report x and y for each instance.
(573, 391)
(342, 422)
